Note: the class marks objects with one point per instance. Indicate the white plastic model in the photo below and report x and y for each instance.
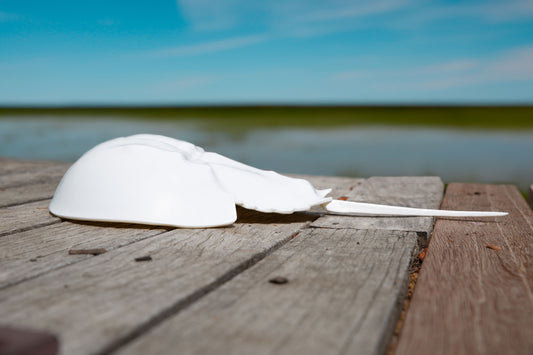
(157, 180)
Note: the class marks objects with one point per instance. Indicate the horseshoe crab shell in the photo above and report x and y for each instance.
(157, 180)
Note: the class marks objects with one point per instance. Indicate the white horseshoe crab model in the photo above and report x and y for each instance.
(157, 180)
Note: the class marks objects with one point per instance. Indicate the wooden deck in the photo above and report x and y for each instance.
(306, 283)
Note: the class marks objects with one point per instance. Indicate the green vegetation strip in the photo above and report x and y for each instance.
(250, 117)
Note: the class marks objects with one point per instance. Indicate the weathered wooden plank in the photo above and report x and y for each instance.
(41, 174)
(186, 265)
(122, 297)
(18, 195)
(28, 181)
(34, 215)
(344, 292)
(9, 165)
(422, 192)
(342, 297)
(35, 252)
(471, 297)
(23, 217)
(405, 190)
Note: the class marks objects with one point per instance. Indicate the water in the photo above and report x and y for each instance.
(454, 155)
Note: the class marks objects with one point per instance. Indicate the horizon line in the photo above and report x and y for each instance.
(262, 105)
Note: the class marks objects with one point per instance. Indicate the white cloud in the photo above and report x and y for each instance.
(456, 67)
(210, 47)
(512, 65)
(312, 18)
(297, 17)
(352, 10)
(516, 64)
(210, 15)
(278, 16)
(488, 11)
(507, 10)
(448, 67)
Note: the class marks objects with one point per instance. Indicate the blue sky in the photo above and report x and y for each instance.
(271, 51)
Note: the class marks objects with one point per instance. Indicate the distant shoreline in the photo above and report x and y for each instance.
(243, 117)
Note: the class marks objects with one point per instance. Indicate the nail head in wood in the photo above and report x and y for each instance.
(143, 258)
(278, 280)
(96, 251)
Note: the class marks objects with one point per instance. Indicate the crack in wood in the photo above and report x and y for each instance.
(190, 299)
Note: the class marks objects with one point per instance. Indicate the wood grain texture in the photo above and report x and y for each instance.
(34, 175)
(28, 181)
(405, 190)
(17, 195)
(422, 192)
(472, 298)
(24, 217)
(345, 280)
(99, 301)
(10, 166)
(341, 297)
(35, 252)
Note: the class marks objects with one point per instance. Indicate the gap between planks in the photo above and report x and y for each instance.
(342, 297)
(185, 302)
(184, 262)
(21, 218)
(368, 334)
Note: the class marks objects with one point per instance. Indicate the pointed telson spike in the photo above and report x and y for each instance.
(370, 209)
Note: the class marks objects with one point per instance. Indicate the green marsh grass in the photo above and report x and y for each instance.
(243, 118)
